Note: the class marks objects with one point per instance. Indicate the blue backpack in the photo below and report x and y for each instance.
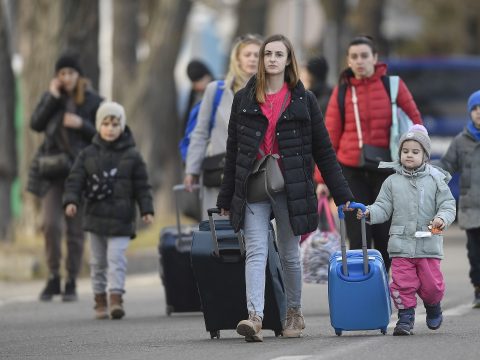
(192, 119)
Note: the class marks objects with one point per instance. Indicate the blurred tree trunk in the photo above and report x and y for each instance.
(151, 102)
(79, 32)
(125, 39)
(367, 20)
(336, 13)
(252, 15)
(45, 29)
(8, 158)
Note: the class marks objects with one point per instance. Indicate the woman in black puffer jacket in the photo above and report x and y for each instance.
(66, 115)
(274, 114)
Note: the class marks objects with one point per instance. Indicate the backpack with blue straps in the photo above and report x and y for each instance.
(193, 117)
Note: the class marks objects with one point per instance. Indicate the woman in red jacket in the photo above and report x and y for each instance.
(364, 76)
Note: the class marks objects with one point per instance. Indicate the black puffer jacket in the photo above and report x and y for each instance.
(47, 118)
(114, 175)
(302, 139)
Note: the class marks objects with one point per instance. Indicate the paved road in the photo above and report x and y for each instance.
(33, 330)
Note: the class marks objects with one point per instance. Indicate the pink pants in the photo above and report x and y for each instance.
(412, 276)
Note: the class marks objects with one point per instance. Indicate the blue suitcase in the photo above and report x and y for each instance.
(358, 292)
(218, 261)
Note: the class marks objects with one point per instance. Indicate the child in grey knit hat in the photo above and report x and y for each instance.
(110, 176)
(419, 202)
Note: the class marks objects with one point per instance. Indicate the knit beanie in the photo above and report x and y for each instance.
(70, 61)
(197, 70)
(473, 101)
(420, 135)
(318, 67)
(110, 108)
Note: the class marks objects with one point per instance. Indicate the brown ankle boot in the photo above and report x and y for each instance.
(116, 307)
(101, 306)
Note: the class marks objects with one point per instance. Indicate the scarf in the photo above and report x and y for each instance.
(473, 130)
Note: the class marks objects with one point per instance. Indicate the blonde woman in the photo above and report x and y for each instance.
(207, 141)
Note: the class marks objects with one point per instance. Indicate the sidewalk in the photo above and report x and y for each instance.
(28, 291)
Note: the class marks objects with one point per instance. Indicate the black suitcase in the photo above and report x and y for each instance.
(181, 291)
(218, 261)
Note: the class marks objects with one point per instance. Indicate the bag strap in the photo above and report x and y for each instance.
(216, 102)
(342, 91)
(357, 117)
(324, 205)
(393, 99)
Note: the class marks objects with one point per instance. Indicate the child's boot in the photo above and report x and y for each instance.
(100, 307)
(406, 320)
(116, 306)
(476, 299)
(251, 328)
(434, 316)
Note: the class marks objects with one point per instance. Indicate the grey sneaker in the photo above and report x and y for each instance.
(251, 328)
(294, 324)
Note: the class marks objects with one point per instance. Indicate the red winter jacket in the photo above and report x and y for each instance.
(375, 111)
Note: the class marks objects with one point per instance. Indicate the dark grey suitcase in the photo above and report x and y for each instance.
(218, 261)
(181, 291)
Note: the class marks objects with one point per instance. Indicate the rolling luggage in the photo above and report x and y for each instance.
(181, 291)
(218, 261)
(358, 292)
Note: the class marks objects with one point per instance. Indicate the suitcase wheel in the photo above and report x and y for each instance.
(338, 332)
(278, 333)
(215, 334)
(169, 310)
(384, 331)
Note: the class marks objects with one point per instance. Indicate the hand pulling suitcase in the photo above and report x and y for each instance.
(358, 292)
(181, 291)
(218, 261)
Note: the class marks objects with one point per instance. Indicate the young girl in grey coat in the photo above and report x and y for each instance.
(421, 205)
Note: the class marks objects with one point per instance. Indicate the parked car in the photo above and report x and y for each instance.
(440, 87)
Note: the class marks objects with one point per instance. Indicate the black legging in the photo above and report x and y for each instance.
(473, 247)
(365, 186)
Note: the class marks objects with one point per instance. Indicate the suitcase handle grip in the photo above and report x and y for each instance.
(353, 205)
(176, 189)
(212, 211)
(216, 250)
(343, 232)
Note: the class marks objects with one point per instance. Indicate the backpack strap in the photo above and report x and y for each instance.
(342, 91)
(216, 102)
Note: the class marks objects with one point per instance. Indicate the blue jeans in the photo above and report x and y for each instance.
(256, 229)
(108, 262)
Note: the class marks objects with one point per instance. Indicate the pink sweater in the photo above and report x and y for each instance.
(271, 108)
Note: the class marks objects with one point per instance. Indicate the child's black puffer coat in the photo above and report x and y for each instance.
(111, 178)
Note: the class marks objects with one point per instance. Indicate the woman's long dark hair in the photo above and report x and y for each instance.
(358, 40)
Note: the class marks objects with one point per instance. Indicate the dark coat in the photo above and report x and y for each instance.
(47, 118)
(110, 195)
(302, 140)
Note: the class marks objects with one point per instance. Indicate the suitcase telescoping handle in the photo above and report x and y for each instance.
(343, 232)
(176, 190)
(216, 250)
